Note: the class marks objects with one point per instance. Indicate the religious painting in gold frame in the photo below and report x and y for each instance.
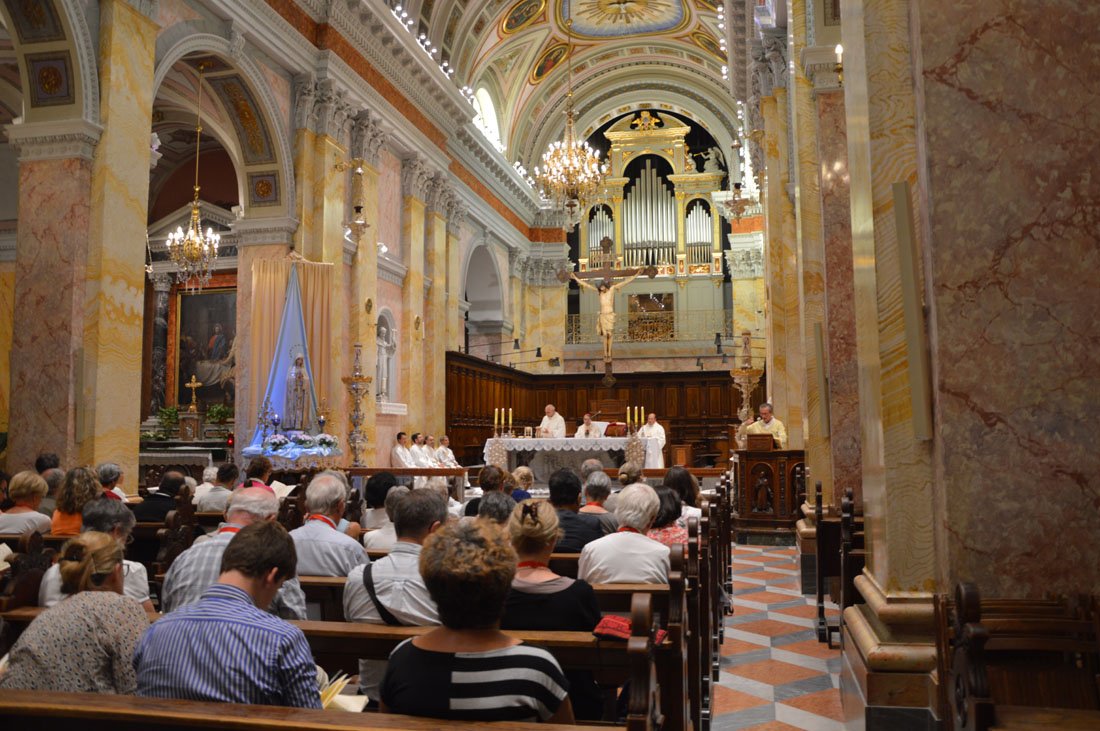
(202, 335)
(548, 61)
(521, 15)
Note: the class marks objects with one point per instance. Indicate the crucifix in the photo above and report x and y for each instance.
(602, 268)
(194, 385)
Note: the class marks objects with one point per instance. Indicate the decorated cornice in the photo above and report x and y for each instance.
(391, 270)
(457, 213)
(471, 148)
(54, 140)
(819, 65)
(264, 231)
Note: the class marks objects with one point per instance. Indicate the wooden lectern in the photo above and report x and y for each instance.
(759, 442)
(766, 489)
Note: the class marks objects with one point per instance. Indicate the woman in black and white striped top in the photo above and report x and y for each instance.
(468, 669)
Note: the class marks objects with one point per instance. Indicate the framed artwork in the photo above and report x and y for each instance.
(203, 345)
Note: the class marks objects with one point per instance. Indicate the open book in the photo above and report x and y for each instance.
(281, 490)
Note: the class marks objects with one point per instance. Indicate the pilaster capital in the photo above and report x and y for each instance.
(321, 106)
(517, 263)
(457, 212)
(551, 218)
(745, 257)
(819, 65)
(162, 282)
(439, 193)
(367, 137)
(264, 231)
(416, 177)
(54, 140)
(775, 54)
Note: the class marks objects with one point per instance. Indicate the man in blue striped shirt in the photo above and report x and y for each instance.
(224, 647)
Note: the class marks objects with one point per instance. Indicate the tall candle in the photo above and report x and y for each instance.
(509, 418)
(628, 417)
(495, 412)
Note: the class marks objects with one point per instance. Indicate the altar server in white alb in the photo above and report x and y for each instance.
(401, 457)
(588, 430)
(768, 424)
(652, 430)
(553, 425)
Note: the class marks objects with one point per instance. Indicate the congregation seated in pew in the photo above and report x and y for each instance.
(496, 507)
(384, 537)
(215, 499)
(25, 493)
(666, 526)
(525, 480)
(491, 478)
(112, 518)
(390, 590)
(468, 669)
(686, 487)
(155, 508)
(578, 529)
(628, 555)
(597, 488)
(377, 488)
(111, 477)
(322, 549)
(199, 566)
(542, 600)
(225, 647)
(79, 487)
(85, 643)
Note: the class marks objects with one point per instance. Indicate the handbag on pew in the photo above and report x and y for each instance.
(614, 627)
(368, 582)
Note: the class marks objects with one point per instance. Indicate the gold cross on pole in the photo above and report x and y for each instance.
(194, 385)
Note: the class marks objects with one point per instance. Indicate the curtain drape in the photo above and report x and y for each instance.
(269, 282)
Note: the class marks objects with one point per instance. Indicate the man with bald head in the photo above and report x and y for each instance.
(553, 425)
(198, 567)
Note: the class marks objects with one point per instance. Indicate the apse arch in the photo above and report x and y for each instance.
(484, 288)
(256, 199)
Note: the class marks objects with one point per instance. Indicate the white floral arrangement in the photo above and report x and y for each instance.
(305, 441)
(276, 442)
(328, 441)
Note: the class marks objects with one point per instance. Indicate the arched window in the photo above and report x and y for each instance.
(386, 335)
(486, 118)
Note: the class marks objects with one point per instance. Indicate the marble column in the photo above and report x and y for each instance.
(456, 216)
(7, 312)
(435, 312)
(415, 183)
(162, 287)
(889, 646)
(785, 363)
(811, 252)
(840, 330)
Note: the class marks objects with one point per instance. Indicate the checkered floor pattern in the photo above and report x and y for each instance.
(775, 674)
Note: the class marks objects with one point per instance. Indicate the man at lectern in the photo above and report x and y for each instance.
(768, 424)
(553, 425)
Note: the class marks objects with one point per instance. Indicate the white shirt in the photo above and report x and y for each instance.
(592, 431)
(324, 551)
(215, 500)
(422, 456)
(445, 456)
(624, 558)
(401, 457)
(24, 522)
(553, 425)
(401, 590)
(380, 539)
(374, 518)
(135, 582)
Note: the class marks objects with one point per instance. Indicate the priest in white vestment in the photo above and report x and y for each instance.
(588, 430)
(553, 425)
(401, 457)
(422, 456)
(768, 424)
(652, 430)
(444, 455)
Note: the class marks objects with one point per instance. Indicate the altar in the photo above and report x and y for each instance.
(545, 456)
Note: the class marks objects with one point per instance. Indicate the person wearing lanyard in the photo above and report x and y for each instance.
(628, 555)
(322, 549)
(197, 568)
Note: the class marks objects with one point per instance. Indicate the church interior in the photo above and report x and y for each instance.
(842, 254)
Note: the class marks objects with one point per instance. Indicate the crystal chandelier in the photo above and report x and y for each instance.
(735, 205)
(571, 173)
(193, 253)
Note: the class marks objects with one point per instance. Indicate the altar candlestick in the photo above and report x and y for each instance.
(495, 413)
(509, 418)
(628, 418)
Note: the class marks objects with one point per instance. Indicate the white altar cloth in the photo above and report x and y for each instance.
(496, 450)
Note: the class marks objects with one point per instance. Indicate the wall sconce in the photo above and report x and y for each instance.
(840, 64)
(369, 305)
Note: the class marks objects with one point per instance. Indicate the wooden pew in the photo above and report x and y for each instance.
(29, 563)
(1018, 664)
(853, 556)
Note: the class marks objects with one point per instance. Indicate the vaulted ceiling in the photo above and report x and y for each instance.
(625, 54)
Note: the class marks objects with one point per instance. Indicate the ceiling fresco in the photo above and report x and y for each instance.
(518, 50)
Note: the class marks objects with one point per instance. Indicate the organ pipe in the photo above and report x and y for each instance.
(699, 229)
(650, 212)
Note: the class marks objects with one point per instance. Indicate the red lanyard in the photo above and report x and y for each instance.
(229, 529)
(531, 565)
(324, 518)
(628, 529)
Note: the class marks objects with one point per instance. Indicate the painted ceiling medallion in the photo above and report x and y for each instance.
(522, 15)
(619, 18)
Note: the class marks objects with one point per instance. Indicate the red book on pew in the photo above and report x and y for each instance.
(613, 627)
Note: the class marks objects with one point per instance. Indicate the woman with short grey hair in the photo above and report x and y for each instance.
(110, 476)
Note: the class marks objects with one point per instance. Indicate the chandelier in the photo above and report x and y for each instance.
(193, 253)
(735, 205)
(571, 172)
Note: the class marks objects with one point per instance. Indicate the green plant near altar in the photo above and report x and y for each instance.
(168, 419)
(218, 414)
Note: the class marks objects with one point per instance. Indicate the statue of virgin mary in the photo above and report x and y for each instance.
(297, 407)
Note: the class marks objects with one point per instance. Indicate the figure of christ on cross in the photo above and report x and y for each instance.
(606, 289)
